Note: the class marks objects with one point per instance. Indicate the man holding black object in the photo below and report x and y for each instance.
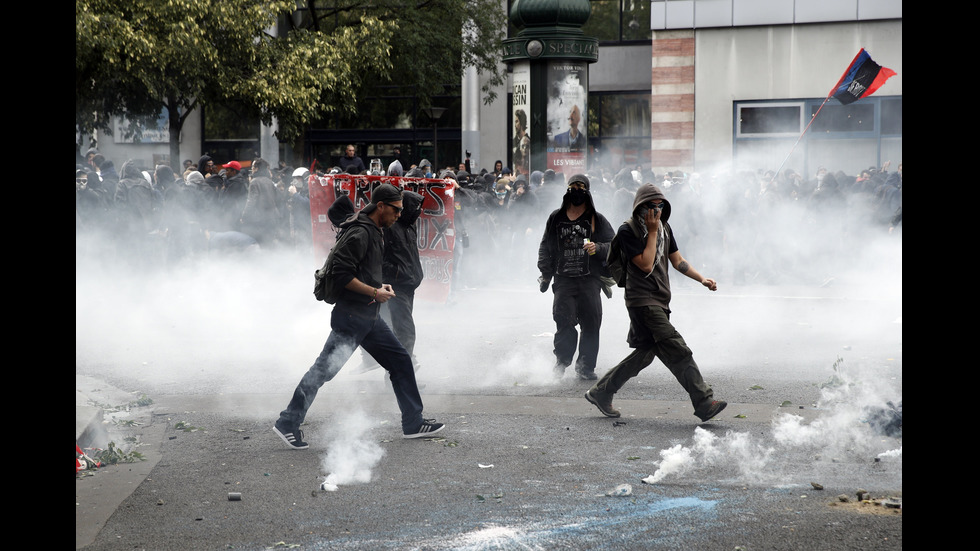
(572, 252)
(355, 321)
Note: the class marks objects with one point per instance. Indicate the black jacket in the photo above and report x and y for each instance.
(601, 233)
(360, 254)
(345, 163)
(402, 265)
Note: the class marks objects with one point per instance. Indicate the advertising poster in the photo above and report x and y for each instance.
(567, 116)
(436, 228)
(521, 141)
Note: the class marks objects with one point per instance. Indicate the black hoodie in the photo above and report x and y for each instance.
(551, 261)
(402, 266)
(644, 289)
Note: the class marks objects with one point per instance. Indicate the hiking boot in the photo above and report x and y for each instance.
(292, 437)
(602, 401)
(714, 408)
(428, 428)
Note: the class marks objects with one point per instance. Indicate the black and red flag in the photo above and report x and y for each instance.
(861, 79)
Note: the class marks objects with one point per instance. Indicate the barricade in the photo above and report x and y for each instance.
(436, 225)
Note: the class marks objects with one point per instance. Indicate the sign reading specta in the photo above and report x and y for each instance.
(436, 226)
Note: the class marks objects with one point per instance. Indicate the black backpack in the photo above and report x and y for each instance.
(325, 287)
(617, 262)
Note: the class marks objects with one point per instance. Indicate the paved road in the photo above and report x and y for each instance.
(525, 462)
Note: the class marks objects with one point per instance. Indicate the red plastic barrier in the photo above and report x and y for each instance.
(436, 225)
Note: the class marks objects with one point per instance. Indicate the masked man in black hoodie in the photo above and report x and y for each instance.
(572, 251)
(647, 243)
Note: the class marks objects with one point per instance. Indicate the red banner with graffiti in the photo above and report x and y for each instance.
(436, 229)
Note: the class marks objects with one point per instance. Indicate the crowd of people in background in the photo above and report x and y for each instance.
(749, 226)
(152, 217)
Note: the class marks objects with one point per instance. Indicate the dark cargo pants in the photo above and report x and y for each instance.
(653, 336)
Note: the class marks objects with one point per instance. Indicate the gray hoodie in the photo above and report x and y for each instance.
(651, 289)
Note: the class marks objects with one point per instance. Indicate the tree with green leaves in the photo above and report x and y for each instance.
(294, 62)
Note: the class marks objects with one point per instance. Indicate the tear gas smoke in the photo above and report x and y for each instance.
(352, 454)
(842, 433)
(246, 322)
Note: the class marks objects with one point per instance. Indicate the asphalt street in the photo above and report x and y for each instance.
(524, 462)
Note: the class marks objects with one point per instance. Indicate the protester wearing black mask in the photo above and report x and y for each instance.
(572, 252)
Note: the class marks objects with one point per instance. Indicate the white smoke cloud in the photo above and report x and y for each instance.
(352, 454)
(842, 431)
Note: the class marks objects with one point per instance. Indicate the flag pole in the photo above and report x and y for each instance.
(801, 137)
(865, 76)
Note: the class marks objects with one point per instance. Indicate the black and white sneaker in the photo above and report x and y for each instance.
(429, 427)
(292, 437)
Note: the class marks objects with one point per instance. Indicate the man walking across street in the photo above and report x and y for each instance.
(647, 243)
(355, 321)
(575, 242)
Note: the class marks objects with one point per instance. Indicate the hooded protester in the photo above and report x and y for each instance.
(205, 165)
(340, 211)
(260, 217)
(426, 167)
(537, 177)
(134, 208)
(395, 168)
(572, 252)
(647, 245)
(463, 178)
(194, 210)
(134, 200)
(402, 268)
(106, 171)
(498, 169)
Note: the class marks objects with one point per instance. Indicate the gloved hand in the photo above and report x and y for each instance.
(543, 283)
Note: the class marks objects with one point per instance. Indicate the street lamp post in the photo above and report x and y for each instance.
(435, 113)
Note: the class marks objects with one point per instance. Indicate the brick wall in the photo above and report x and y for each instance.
(672, 102)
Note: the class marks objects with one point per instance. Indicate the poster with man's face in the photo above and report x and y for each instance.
(567, 116)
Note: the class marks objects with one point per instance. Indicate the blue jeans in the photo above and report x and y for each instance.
(350, 330)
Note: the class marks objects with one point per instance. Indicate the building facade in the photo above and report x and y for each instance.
(680, 85)
(733, 84)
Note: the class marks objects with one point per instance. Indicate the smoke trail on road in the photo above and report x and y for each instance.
(843, 432)
(353, 454)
